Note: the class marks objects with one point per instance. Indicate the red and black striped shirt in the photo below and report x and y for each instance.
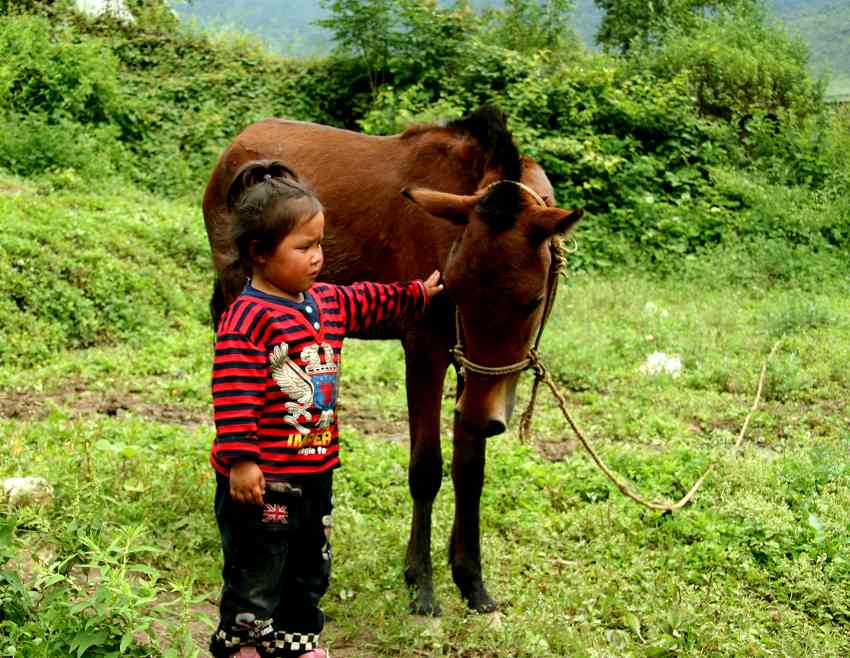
(276, 372)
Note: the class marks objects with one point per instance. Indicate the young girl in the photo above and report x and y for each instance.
(277, 360)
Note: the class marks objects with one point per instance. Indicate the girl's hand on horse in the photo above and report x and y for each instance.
(247, 484)
(432, 284)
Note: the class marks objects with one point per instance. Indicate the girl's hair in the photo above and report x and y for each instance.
(266, 202)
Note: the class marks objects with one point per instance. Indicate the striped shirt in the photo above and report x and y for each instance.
(276, 370)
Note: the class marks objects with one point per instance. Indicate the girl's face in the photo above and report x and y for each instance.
(295, 263)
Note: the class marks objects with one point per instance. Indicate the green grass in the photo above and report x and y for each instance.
(119, 422)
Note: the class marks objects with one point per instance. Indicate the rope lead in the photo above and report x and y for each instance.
(663, 505)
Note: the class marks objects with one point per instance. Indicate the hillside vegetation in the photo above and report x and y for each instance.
(291, 28)
(675, 151)
(718, 223)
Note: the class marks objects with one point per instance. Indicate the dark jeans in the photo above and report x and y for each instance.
(277, 561)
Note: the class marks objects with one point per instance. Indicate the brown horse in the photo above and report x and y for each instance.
(396, 208)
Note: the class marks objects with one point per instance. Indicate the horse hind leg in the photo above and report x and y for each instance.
(217, 305)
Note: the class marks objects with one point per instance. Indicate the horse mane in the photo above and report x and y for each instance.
(488, 127)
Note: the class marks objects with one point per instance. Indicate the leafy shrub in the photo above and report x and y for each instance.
(32, 144)
(737, 64)
(49, 70)
(662, 176)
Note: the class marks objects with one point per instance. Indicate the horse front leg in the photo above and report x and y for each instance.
(425, 375)
(468, 460)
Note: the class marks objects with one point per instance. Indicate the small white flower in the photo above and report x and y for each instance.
(659, 363)
(650, 310)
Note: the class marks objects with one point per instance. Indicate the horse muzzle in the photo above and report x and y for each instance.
(486, 404)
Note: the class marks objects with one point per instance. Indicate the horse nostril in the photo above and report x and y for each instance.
(494, 427)
(490, 427)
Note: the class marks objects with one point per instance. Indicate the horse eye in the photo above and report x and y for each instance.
(529, 307)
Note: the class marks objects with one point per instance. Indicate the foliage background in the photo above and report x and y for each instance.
(291, 29)
(672, 150)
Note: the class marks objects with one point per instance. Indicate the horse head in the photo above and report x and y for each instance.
(497, 275)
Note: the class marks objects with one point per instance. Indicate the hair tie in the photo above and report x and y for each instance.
(267, 177)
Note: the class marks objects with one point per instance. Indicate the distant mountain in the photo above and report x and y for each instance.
(284, 27)
(825, 26)
(289, 27)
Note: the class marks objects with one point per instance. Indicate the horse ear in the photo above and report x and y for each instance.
(553, 221)
(453, 207)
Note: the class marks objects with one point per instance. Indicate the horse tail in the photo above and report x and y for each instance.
(229, 282)
(217, 303)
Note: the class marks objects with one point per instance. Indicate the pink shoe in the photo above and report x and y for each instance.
(246, 652)
(316, 653)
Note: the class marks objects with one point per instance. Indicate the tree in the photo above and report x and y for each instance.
(531, 25)
(364, 29)
(422, 42)
(400, 41)
(737, 64)
(627, 23)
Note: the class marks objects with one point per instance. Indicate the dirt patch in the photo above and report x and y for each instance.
(372, 422)
(8, 188)
(26, 405)
(205, 613)
(558, 450)
(79, 401)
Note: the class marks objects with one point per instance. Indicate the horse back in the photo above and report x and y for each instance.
(371, 231)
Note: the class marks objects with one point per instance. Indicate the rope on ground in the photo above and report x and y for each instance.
(664, 505)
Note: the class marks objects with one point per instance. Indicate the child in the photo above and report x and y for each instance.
(277, 359)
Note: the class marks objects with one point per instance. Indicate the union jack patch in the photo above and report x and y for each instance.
(275, 514)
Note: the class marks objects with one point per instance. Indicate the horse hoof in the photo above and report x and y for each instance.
(425, 606)
(480, 601)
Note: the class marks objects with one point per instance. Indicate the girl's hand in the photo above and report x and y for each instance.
(247, 484)
(432, 284)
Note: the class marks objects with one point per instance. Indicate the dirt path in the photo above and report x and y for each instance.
(81, 402)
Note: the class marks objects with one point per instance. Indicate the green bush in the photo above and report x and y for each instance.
(662, 175)
(32, 144)
(737, 64)
(52, 71)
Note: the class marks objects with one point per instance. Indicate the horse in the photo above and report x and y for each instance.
(454, 196)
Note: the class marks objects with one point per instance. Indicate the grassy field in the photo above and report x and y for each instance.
(108, 400)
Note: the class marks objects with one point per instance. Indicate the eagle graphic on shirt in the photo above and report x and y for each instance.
(311, 386)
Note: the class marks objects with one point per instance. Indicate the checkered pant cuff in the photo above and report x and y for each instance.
(251, 633)
(293, 641)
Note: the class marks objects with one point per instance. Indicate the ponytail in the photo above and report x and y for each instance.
(256, 172)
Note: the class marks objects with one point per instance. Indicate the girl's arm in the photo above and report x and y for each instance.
(368, 304)
(240, 370)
